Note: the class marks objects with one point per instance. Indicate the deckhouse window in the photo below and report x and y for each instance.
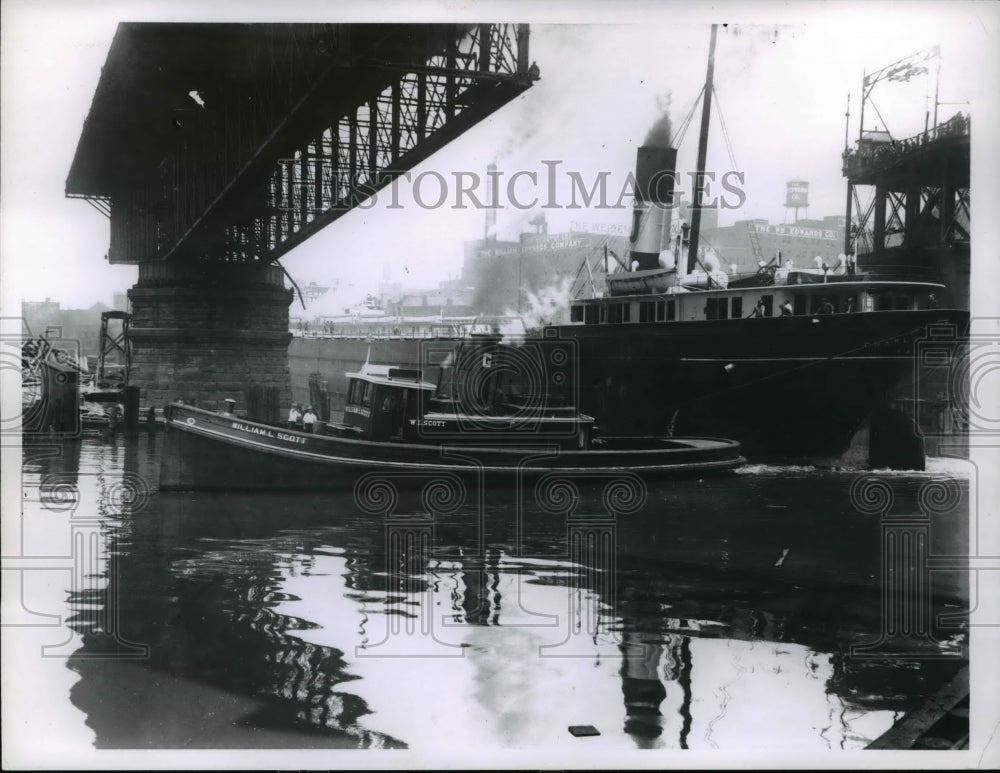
(717, 308)
(903, 301)
(737, 308)
(892, 301)
(590, 315)
(576, 314)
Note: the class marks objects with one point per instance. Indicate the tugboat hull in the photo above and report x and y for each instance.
(210, 451)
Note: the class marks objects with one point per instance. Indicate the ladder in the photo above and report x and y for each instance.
(754, 242)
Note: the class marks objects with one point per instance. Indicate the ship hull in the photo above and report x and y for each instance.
(795, 388)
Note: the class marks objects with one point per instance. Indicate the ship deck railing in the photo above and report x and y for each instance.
(374, 336)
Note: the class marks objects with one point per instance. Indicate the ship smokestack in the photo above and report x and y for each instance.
(654, 175)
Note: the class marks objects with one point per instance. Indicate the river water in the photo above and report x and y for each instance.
(741, 613)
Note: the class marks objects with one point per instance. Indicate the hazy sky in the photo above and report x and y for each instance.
(782, 80)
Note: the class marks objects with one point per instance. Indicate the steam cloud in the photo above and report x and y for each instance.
(541, 281)
(549, 306)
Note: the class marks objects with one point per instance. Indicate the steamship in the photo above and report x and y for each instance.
(793, 362)
(701, 353)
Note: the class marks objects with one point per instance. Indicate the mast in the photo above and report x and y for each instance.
(864, 99)
(847, 122)
(702, 153)
(937, 86)
(850, 186)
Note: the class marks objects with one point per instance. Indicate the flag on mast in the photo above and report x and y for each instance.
(905, 69)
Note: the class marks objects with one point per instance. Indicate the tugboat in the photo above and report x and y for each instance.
(497, 408)
(789, 361)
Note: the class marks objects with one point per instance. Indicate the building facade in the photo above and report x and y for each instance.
(800, 241)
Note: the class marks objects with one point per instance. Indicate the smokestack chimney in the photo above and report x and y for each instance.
(491, 204)
(654, 175)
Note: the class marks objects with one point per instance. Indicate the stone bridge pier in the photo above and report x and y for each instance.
(204, 332)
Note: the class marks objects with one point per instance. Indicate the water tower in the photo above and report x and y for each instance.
(796, 197)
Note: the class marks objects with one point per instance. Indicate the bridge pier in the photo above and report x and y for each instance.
(209, 331)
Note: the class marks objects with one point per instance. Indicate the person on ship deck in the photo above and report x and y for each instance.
(309, 419)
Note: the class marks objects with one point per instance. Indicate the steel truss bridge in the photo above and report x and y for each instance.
(235, 143)
(918, 190)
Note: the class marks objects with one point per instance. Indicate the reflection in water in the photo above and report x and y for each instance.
(644, 690)
(662, 620)
(211, 617)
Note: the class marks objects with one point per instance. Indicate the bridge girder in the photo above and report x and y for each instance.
(911, 193)
(237, 142)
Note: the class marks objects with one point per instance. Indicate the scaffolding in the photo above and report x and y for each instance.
(114, 362)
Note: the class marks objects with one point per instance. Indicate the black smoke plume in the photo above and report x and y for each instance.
(659, 133)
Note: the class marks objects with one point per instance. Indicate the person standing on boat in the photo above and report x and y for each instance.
(294, 416)
(851, 265)
(849, 306)
(825, 307)
(786, 309)
(117, 416)
(308, 419)
(758, 310)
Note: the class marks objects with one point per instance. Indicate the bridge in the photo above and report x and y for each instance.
(911, 203)
(214, 149)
